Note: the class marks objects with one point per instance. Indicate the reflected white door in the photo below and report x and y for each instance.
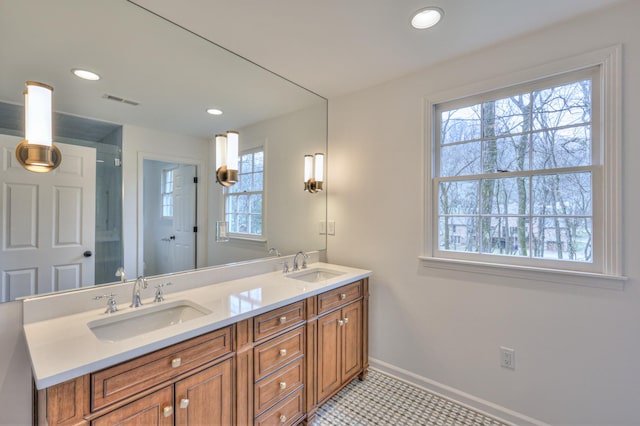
(48, 223)
(169, 217)
(184, 221)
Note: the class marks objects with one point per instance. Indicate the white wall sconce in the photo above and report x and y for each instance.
(37, 153)
(313, 172)
(227, 158)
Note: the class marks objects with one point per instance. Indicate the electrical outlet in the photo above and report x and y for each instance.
(507, 358)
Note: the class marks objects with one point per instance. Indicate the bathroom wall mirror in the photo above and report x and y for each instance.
(149, 107)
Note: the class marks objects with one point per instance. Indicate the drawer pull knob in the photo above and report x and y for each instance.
(167, 411)
(283, 385)
(184, 403)
(283, 352)
(340, 323)
(346, 320)
(283, 418)
(343, 296)
(176, 362)
(283, 320)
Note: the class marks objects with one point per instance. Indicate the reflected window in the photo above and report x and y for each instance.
(244, 201)
(167, 193)
(245, 301)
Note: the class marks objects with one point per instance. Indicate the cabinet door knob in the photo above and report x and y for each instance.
(340, 323)
(283, 418)
(167, 411)
(283, 352)
(176, 362)
(343, 296)
(283, 319)
(283, 385)
(346, 320)
(184, 403)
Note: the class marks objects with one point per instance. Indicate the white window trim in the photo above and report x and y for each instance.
(240, 237)
(610, 62)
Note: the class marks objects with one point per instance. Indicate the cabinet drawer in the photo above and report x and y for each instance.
(131, 377)
(275, 386)
(339, 297)
(271, 355)
(288, 412)
(154, 409)
(270, 323)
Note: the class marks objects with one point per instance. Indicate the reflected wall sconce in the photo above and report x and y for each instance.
(37, 153)
(227, 158)
(313, 172)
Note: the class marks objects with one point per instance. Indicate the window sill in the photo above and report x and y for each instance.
(247, 239)
(586, 279)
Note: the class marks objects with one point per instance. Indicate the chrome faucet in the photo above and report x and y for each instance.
(304, 260)
(135, 298)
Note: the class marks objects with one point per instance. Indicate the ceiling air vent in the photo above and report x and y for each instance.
(119, 99)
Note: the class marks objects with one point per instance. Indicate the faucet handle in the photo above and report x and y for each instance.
(285, 267)
(305, 256)
(112, 305)
(159, 294)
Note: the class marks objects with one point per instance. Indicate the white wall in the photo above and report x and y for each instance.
(15, 368)
(577, 348)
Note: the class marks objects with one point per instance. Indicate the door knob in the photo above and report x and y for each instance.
(87, 253)
(184, 403)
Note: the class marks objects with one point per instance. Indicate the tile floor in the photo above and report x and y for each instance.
(385, 401)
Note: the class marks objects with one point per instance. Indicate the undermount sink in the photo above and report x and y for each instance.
(315, 275)
(145, 320)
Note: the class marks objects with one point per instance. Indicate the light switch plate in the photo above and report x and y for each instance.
(331, 227)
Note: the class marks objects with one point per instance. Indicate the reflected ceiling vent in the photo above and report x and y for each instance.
(119, 99)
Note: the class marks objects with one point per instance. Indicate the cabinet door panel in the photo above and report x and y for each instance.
(148, 411)
(351, 340)
(206, 397)
(329, 343)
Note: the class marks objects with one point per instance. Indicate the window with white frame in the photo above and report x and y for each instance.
(244, 201)
(167, 193)
(519, 175)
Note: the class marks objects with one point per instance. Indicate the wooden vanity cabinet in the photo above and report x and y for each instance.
(274, 368)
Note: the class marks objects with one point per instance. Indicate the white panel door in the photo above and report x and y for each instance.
(47, 237)
(184, 220)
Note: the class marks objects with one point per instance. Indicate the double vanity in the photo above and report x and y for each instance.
(264, 349)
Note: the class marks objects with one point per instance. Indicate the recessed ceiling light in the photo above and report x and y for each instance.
(84, 74)
(214, 111)
(426, 18)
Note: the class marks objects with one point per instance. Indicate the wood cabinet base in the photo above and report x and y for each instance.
(275, 368)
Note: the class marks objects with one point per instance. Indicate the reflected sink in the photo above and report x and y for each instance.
(315, 275)
(144, 320)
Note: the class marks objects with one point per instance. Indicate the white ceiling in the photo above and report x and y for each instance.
(334, 47)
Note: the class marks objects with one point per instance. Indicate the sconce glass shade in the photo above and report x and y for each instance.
(318, 169)
(308, 167)
(313, 172)
(37, 153)
(227, 158)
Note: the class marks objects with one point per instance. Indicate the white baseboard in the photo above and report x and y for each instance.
(477, 404)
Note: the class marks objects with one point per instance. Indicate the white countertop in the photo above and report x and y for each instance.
(64, 348)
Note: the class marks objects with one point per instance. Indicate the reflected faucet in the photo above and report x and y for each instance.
(304, 260)
(120, 273)
(135, 298)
